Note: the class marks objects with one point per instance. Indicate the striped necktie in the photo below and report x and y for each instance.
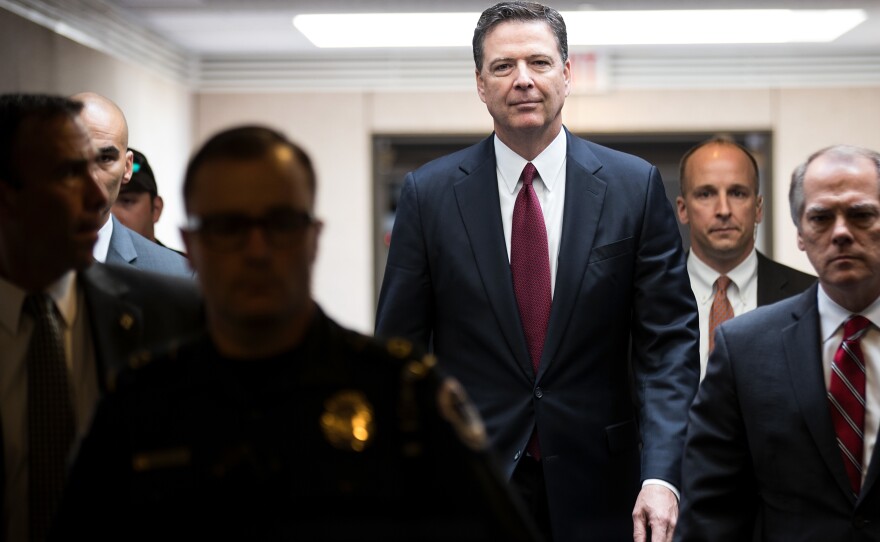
(846, 397)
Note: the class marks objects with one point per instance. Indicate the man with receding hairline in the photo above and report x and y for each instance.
(722, 206)
(548, 275)
(118, 244)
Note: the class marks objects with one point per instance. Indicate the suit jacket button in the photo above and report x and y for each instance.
(539, 393)
(860, 522)
(517, 455)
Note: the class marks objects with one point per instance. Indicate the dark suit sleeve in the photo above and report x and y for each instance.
(719, 492)
(406, 299)
(94, 505)
(665, 334)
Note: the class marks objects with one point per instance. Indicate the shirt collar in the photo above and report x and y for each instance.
(705, 277)
(62, 292)
(548, 163)
(102, 247)
(832, 315)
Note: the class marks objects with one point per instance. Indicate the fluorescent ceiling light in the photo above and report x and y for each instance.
(588, 27)
(388, 29)
(710, 26)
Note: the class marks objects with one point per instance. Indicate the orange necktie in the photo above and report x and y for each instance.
(721, 311)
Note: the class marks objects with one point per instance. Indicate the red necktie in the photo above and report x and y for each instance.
(721, 310)
(530, 266)
(846, 397)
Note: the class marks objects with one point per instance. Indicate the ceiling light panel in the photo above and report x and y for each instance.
(588, 27)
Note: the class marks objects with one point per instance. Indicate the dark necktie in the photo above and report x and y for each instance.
(846, 397)
(51, 425)
(721, 310)
(530, 267)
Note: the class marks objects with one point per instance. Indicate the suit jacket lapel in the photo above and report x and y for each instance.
(116, 324)
(803, 353)
(584, 197)
(480, 209)
(121, 248)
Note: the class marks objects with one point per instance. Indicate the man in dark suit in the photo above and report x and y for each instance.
(721, 204)
(118, 244)
(563, 306)
(782, 437)
(50, 213)
(278, 424)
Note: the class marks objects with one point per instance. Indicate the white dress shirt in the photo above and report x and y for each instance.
(831, 318)
(742, 293)
(102, 247)
(549, 186)
(15, 333)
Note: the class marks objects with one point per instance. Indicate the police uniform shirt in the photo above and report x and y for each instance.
(337, 439)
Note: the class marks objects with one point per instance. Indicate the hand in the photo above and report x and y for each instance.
(657, 509)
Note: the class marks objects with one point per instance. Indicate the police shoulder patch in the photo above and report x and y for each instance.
(456, 408)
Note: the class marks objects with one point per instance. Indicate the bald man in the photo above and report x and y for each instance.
(118, 244)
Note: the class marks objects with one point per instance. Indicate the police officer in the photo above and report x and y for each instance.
(279, 423)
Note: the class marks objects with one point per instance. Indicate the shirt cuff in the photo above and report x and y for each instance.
(667, 485)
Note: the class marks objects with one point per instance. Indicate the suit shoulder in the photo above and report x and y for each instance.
(608, 157)
(607, 153)
(154, 257)
(622, 172)
(769, 319)
(144, 280)
(793, 275)
(461, 161)
(167, 304)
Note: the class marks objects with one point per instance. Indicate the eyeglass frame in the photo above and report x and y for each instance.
(231, 241)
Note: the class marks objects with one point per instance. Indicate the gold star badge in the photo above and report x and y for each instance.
(348, 421)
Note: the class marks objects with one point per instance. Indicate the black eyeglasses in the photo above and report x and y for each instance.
(230, 231)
